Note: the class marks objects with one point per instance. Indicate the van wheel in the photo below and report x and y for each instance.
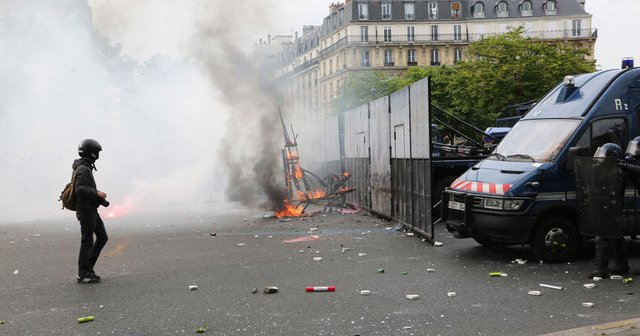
(555, 240)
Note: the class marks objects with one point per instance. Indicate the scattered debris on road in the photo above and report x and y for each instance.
(241, 244)
(320, 289)
(597, 278)
(317, 258)
(412, 296)
(589, 286)
(627, 280)
(430, 270)
(365, 292)
(85, 319)
(410, 234)
(16, 272)
(362, 254)
(193, 287)
(551, 286)
(451, 294)
(587, 304)
(380, 270)
(437, 244)
(270, 290)
(255, 290)
(535, 293)
(202, 329)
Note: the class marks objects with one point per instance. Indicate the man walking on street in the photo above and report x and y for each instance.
(88, 199)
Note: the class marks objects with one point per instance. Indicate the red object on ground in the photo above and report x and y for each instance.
(321, 289)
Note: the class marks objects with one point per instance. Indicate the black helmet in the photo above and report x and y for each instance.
(633, 148)
(89, 149)
(609, 150)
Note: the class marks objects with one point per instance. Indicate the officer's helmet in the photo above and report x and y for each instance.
(89, 149)
(633, 148)
(609, 150)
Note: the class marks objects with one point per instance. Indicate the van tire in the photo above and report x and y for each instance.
(555, 239)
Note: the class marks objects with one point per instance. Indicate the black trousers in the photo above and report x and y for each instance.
(611, 247)
(90, 224)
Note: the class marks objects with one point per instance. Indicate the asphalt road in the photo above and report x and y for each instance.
(150, 262)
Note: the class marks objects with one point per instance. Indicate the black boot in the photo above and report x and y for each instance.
(601, 261)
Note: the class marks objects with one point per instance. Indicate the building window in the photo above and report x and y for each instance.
(411, 57)
(435, 57)
(411, 34)
(409, 11)
(502, 9)
(386, 11)
(387, 34)
(550, 7)
(478, 10)
(388, 57)
(455, 10)
(457, 32)
(576, 26)
(525, 8)
(363, 11)
(433, 10)
(434, 33)
(364, 58)
(364, 34)
(457, 55)
(330, 67)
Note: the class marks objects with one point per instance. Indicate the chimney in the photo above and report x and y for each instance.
(581, 3)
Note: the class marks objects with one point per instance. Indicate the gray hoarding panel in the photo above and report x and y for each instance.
(420, 130)
(356, 129)
(380, 142)
(400, 124)
(331, 139)
(359, 169)
(421, 198)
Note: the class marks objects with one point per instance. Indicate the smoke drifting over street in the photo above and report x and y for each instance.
(162, 85)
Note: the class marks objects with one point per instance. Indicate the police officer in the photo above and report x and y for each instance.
(632, 167)
(88, 199)
(607, 247)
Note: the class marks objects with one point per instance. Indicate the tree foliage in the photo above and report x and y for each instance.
(501, 70)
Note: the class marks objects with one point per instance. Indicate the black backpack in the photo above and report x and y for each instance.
(68, 194)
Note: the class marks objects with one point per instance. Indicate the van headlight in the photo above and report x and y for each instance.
(502, 204)
(493, 203)
(513, 205)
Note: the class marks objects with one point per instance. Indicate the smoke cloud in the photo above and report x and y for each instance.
(163, 85)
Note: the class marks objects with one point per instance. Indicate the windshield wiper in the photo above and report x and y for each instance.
(499, 156)
(522, 156)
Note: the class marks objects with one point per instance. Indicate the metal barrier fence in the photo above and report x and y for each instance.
(387, 151)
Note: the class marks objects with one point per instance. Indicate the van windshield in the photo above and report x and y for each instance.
(535, 140)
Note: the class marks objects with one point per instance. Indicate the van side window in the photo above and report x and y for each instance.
(602, 131)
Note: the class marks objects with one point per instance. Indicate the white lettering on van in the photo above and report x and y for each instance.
(620, 106)
(618, 103)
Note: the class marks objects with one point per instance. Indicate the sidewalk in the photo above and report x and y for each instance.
(618, 328)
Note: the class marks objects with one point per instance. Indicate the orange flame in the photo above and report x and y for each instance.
(290, 210)
(298, 173)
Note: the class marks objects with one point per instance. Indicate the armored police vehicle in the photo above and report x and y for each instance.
(525, 191)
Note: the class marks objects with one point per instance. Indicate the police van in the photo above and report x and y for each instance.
(525, 191)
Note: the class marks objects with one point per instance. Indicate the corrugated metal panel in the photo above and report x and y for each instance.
(331, 139)
(420, 130)
(400, 124)
(356, 132)
(380, 140)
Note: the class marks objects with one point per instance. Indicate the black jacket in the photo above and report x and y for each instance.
(85, 189)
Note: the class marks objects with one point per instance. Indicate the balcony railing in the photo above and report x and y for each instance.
(403, 39)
